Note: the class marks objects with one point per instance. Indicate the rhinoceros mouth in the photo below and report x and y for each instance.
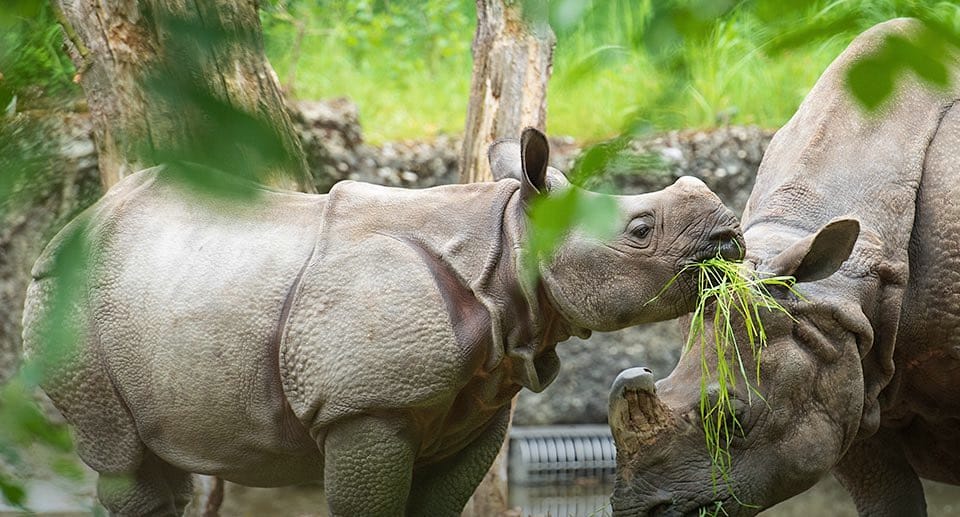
(711, 508)
(725, 506)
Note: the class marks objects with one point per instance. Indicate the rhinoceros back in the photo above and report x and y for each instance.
(179, 327)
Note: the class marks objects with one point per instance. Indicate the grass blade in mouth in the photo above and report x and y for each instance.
(739, 297)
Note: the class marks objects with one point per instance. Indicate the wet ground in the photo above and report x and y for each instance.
(826, 499)
(51, 498)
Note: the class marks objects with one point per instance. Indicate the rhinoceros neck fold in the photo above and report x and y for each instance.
(487, 302)
(526, 329)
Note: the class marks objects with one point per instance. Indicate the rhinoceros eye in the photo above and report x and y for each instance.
(640, 228)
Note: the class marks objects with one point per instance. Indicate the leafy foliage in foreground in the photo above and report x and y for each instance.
(621, 66)
(28, 441)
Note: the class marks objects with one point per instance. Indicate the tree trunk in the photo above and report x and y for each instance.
(512, 61)
(119, 45)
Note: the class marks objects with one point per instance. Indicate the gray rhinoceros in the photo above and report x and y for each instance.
(371, 338)
(865, 380)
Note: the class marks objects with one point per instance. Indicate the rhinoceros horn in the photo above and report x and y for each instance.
(637, 415)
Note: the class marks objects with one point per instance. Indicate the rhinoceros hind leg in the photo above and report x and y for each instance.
(147, 491)
(876, 473)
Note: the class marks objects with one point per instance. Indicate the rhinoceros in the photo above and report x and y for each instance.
(863, 378)
(371, 338)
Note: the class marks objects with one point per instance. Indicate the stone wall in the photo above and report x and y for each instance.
(726, 159)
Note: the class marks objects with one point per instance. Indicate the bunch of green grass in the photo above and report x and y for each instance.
(738, 297)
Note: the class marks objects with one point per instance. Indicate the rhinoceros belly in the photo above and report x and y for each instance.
(187, 303)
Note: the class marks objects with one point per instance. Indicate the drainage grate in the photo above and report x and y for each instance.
(561, 454)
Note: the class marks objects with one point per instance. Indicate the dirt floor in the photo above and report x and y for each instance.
(827, 499)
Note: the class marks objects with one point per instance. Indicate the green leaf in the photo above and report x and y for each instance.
(552, 217)
(12, 492)
(805, 34)
(68, 468)
(871, 81)
(873, 78)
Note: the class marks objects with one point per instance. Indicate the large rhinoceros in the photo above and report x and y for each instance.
(865, 381)
(371, 338)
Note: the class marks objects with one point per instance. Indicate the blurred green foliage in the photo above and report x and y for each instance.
(33, 67)
(217, 148)
(553, 217)
(29, 443)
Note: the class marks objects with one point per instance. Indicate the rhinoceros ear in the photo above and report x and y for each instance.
(819, 255)
(504, 156)
(534, 154)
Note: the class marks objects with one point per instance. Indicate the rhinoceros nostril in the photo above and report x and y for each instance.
(730, 250)
(727, 243)
(724, 235)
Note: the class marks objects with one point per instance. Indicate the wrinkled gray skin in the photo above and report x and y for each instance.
(371, 338)
(866, 382)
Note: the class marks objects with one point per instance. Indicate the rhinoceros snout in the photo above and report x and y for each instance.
(730, 244)
(725, 242)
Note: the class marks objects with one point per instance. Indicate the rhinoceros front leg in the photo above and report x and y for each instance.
(368, 466)
(443, 488)
(876, 473)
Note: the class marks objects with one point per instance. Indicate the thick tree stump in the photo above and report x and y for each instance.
(118, 44)
(512, 61)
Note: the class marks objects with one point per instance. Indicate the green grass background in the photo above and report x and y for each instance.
(618, 65)
(408, 64)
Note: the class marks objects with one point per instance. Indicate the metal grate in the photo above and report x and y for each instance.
(561, 454)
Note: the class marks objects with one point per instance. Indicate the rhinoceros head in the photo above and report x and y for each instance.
(611, 283)
(812, 403)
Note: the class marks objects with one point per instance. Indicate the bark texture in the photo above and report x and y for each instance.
(512, 61)
(117, 45)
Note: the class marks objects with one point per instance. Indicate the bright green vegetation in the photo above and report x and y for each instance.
(733, 298)
(619, 64)
(33, 68)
